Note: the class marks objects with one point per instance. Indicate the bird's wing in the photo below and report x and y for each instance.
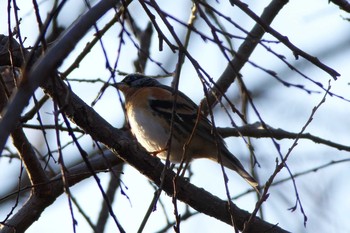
(186, 116)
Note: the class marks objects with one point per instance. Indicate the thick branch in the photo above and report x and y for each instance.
(46, 65)
(343, 4)
(34, 169)
(245, 50)
(33, 208)
(120, 143)
(117, 140)
(9, 79)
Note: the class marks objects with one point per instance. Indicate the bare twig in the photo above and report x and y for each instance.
(35, 205)
(119, 142)
(257, 130)
(25, 150)
(45, 66)
(265, 25)
(245, 50)
(113, 185)
(280, 166)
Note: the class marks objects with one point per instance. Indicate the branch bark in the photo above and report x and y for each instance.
(44, 67)
(233, 68)
(35, 205)
(120, 143)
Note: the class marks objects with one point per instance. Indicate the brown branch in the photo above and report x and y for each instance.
(143, 53)
(343, 4)
(5, 58)
(118, 141)
(244, 51)
(34, 207)
(282, 165)
(121, 144)
(265, 26)
(31, 162)
(36, 173)
(45, 66)
(257, 130)
(113, 185)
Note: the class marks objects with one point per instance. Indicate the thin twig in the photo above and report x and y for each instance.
(280, 166)
(257, 130)
(48, 64)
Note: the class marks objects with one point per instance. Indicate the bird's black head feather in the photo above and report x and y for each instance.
(139, 80)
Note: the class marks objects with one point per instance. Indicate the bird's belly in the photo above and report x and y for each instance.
(149, 131)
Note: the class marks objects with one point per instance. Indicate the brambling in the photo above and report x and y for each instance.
(149, 109)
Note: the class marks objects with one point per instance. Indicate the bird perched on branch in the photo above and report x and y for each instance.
(156, 111)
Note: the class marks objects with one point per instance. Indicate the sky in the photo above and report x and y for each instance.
(314, 26)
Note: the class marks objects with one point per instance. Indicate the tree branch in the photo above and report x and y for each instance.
(9, 78)
(124, 146)
(343, 4)
(35, 205)
(47, 64)
(265, 26)
(244, 51)
(257, 130)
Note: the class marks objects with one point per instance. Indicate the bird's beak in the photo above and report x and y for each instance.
(120, 86)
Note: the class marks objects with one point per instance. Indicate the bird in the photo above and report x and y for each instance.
(154, 111)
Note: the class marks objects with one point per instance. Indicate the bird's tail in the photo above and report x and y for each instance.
(231, 162)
